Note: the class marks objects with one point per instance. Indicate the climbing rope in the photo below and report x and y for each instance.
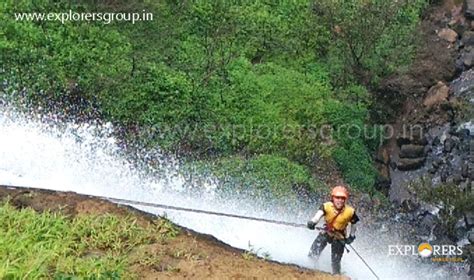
(176, 208)
(163, 206)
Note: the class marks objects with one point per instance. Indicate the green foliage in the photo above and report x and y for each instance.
(276, 107)
(261, 174)
(452, 201)
(356, 165)
(370, 38)
(49, 245)
(351, 132)
(253, 253)
(218, 78)
(48, 58)
(446, 195)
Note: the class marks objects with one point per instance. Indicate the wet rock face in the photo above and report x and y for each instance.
(469, 217)
(382, 161)
(412, 151)
(442, 154)
(471, 236)
(446, 157)
(451, 155)
(412, 145)
(442, 149)
(467, 39)
(405, 164)
(465, 45)
(449, 145)
(445, 118)
(414, 134)
(467, 58)
(463, 87)
(469, 11)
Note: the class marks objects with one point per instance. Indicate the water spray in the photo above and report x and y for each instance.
(362, 259)
(177, 208)
(86, 159)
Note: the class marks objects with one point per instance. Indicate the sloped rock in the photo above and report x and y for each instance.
(456, 179)
(449, 145)
(412, 135)
(469, 11)
(463, 133)
(436, 94)
(468, 59)
(463, 87)
(467, 39)
(383, 156)
(469, 218)
(448, 34)
(383, 181)
(471, 236)
(406, 164)
(412, 151)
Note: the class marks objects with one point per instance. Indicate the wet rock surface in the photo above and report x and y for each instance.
(410, 163)
(463, 86)
(469, 217)
(469, 12)
(438, 146)
(438, 142)
(412, 151)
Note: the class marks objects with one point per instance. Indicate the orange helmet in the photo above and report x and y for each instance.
(340, 191)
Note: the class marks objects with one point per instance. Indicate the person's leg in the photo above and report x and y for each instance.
(318, 245)
(337, 250)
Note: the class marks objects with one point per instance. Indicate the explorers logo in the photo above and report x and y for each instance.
(425, 250)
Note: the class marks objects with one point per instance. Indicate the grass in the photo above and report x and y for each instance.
(53, 246)
(253, 253)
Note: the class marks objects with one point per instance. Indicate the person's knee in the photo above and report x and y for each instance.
(336, 257)
(318, 246)
(336, 268)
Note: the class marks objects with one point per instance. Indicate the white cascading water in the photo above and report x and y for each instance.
(86, 159)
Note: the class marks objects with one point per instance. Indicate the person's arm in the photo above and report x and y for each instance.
(352, 229)
(317, 217)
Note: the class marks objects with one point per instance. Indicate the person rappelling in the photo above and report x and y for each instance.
(337, 216)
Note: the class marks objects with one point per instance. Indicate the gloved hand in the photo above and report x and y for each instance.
(350, 239)
(311, 225)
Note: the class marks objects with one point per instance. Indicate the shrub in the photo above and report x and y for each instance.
(262, 174)
(369, 38)
(452, 201)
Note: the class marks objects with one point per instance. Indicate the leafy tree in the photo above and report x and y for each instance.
(370, 38)
(218, 79)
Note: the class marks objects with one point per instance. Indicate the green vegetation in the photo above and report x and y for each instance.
(370, 39)
(53, 246)
(253, 253)
(220, 80)
(452, 201)
(263, 174)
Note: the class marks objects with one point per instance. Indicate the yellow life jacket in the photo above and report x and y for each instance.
(334, 220)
